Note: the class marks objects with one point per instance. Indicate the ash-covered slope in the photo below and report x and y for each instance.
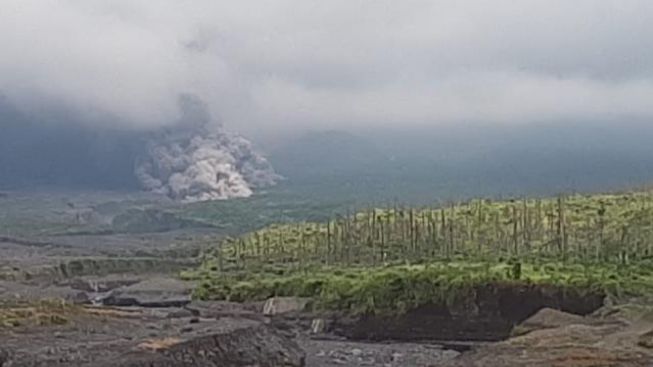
(199, 160)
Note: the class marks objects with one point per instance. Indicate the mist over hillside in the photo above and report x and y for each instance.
(410, 164)
(418, 99)
(195, 159)
(64, 153)
(420, 165)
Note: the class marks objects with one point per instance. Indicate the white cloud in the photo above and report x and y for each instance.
(269, 65)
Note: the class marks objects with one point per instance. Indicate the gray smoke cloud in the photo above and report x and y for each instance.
(198, 160)
(272, 66)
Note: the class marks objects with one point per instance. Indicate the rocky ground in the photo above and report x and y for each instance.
(140, 313)
(197, 334)
(615, 336)
(125, 306)
(230, 334)
(321, 353)
(115, 337)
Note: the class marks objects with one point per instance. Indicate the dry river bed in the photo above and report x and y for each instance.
(151, 321)
(146, 318)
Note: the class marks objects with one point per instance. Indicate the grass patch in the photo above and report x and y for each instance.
(393, 259)
(595, 228)
(44, 313)
(397, 289)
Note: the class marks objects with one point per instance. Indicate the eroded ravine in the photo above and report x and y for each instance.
(488, 313)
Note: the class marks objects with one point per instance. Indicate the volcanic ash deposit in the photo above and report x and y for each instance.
(198, 161)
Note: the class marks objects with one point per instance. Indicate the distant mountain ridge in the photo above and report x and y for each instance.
(327, 153)
(458, 163)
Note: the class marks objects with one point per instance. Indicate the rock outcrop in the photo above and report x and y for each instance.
(283, 305)
(552, 338)
(4, 357)
(156, 292)
(255, 345)
(108, 337)
(548, 318)
(488, 314)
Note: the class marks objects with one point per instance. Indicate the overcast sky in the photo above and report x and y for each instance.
(265, 66)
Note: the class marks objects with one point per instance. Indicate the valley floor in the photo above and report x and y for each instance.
(117, 299)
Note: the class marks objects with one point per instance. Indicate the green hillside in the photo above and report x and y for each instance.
(407, 254)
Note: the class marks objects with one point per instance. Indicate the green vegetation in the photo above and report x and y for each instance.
(276, 205)
(396, 258)
(396, 289)
(68, 214)
(601, 228)
(151, 220)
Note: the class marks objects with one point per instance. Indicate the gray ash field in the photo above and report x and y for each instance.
(87, 280)
(93, 279)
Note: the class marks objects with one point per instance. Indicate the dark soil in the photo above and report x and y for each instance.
(489, 315)
(106, 337)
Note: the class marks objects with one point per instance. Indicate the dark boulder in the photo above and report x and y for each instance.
(255, 345)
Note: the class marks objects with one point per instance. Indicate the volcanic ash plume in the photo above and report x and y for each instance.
(198, 163)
